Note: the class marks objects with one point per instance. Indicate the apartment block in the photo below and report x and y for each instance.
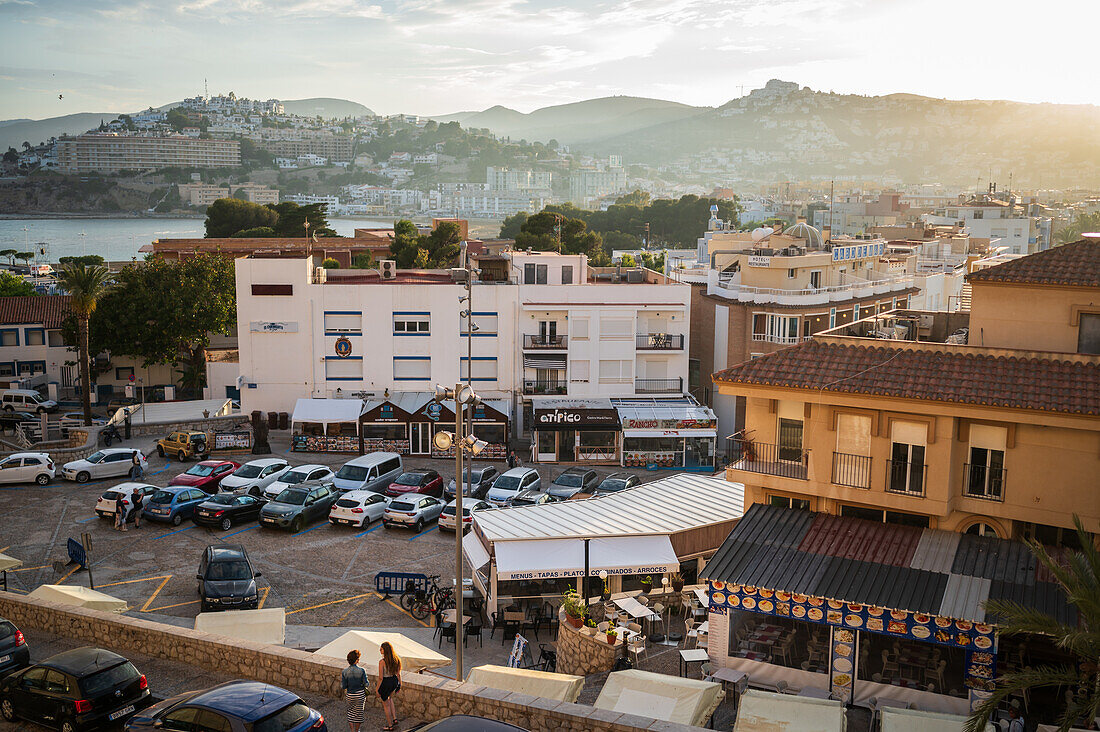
(105, 153)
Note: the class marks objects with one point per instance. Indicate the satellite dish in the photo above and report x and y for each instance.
(762, 233)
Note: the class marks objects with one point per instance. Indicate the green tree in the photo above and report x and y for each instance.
(87, 285)
(1072, 231)
(512, 225)
(291, 219)
(410, 249)
(627, 260)
(364, 261)
(13, 286)
(547, 232)
(638, 198)
(255, 233)
(11, 156)
(1078, 575)
(10, 254)
(24, 256)
(226, 216)
(176, 119)
(86, 259)
(330, 263)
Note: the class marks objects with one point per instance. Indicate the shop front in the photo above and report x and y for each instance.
(678, 434)
(326, 425)
(406, 423)
(576, 431)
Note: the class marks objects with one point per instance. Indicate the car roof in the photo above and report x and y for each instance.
(420, 471)
(226, 553)
(266, 461)
(83, 661)
(516, 472)
(132, 486)
(112, 450)
(577, 471)
(371, 458)
(360, 493)
(177, 488)
(250, 701)
(30, 454)
(214, 462)
(621, 476)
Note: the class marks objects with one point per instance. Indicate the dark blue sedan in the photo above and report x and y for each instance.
(173, 504)
(235, 706)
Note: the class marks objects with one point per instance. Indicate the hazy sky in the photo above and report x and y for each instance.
(438, 56)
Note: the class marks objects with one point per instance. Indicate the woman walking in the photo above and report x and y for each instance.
(353, 680)
(389, 670)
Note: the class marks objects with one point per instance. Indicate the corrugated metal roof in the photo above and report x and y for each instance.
(964, 597)
(936, 551)
(665, 506)
(838, 537)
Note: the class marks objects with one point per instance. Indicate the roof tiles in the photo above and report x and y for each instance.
(48, 311)
(1073, 265)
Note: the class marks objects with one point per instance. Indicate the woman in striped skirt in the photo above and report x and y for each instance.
(353, 680)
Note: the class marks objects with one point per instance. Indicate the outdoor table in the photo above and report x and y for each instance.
(694, 655)
(815, 693)
(729, 676)
(704, 627)
(449, 616)
(702, 595)
(633, 607)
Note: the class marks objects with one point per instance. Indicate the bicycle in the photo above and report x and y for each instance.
(411, 593)
(422, 603)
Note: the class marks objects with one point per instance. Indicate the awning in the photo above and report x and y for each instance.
(672, 414)
(553, 558)
(259, 626)
(670, 433)
(895, 719)
(544, 361)
(562, 687)
(660, 696)
(327, 411)
(474, 551)
(572, 414)
(414, 657)
(760, 711)
(79, 596)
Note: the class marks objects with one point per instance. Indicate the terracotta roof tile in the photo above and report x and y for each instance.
(1076, 264)
(48, 310)
(945, 376)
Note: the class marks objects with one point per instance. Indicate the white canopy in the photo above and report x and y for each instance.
(764, 711)
(474, 551)
(659, 696)
(79, 596)
(895, 719)
(185, 411)
(327, 411)
(260, 626)
(7, 562)
(414, 657)
(554, 558)
(562, 687)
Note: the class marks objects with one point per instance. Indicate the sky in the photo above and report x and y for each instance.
(441, 56)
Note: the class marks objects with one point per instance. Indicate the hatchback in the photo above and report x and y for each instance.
(254, 476)
(298, 506)
(617, 482)
(421, 480)
(111, 462)
(447, 517)
(105, 506)
(75, 690)
(227, 580)
(14, 651)
(573, 481)
(226, 510)
(205, 475)
(478, 479)
(27, 467)
(412, 510)
(235, 706)
(173, 504)
(512, 483)
(358, 508)
(297, 475)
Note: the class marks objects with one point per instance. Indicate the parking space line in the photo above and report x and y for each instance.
(155, 593)
(267, 591)
(326, 604)
(185, 528)
(403, 610)
(425, 531)
(67, 574)
(5, 549)
(86, 520)
(241, 531)
(165, 607)
(28, 569)
(313, 528)
(364, 533)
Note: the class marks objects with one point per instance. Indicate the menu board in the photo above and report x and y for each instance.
(842, 663)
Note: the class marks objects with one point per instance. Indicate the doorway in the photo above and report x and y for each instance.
(547, 446)
(567, 448)
(420, 438)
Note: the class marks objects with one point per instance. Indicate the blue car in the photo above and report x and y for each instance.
(235, 706)
(173, 504)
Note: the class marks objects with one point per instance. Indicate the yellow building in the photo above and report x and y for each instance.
(986, 422)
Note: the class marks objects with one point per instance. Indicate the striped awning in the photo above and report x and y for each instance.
(542, 361)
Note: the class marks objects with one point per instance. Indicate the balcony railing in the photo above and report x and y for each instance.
(535, 342)
(905, 477)
(781, 460)
(659, 386)
(551, 386)
(660, 342)
(851, 470)
(982, 481)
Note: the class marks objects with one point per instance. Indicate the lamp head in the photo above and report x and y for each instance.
(442, 393)
(474, 445)
(602, 574)
(443, 440)
(465, 394)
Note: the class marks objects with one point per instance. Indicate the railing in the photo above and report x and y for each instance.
(781, 460)
(659, 386)
(782, 340)
(660, 341)
(532, 342)
(982, 481)
(905, 477)
(851, 470)
(550, 386)
(849, 284)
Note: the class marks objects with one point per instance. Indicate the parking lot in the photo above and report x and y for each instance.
(323, 576)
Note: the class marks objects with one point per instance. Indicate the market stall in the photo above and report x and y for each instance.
(406, 422)
(667, 433)
(660, 696)
(414, 657)
(326, 425)
(548, 685)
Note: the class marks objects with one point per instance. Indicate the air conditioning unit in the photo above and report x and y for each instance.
(927, 321)
(388, 268)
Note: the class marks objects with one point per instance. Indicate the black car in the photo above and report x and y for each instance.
(300, 505)
(226, 579)
(14, 651)
(573, 481)
(532, 498)
(235, 706)
(224, 510)
(480, 481)
(617, 482)
(75, 690)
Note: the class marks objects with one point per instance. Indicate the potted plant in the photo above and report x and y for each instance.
(647, 583)
(677, 581)
(574, 607)
(589, 627)
(611, 636)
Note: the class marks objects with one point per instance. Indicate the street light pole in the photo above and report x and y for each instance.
(459, 525)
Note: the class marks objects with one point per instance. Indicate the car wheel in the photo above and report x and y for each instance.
(254, 492)
(296, 525)
(177, 519)
(181, 455)
(42, 479)
(83, 476)
(160, 450)
(9, 408)
(107, 440)
(227, 524)
(419, 525)
(7, 710)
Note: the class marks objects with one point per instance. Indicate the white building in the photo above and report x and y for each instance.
(1004, 223)
(509, 179)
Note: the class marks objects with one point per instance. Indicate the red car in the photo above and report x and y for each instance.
(421, 480)
(205, 475)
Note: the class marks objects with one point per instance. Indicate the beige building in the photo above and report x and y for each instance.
(255, 193)
(201, 194)
(985, 422)
(108, 153)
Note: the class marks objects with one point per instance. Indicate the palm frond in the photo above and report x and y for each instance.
(86, 284)
(1011, 684)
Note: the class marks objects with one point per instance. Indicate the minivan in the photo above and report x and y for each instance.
(372, 472)
(26, 400)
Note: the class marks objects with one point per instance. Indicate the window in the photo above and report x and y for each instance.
(790, 440)
(34, 337)
(484, 368)
(567, 274)
(815, 278)
(123, 373)
(792, 273)
(343, 369)
(889, 517)
(801, 504)
(485, 324)
(7, 369)
(578, 370)
(272, 289)
(9, 337)
(579, 329)
(1088, 334)
(985, 472)
(412, 324)
(832, 317)
(852, 462)
(775, 328)
(54, 339)
(343, 322)
(1049, 535)
(616, 328)
(981, 529)
(534, 274)
(32, 367)
(616, 372)
(412, 368)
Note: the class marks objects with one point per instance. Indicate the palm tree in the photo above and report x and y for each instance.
(86, 284)
(1078, 574)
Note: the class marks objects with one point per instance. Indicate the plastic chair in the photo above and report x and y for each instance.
(636, 647)
(473, 628)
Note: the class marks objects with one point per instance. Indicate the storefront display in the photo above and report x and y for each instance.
(326, 425)
(406, 423)
(667, 434)
(576, 430)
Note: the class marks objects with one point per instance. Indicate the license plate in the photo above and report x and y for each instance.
(5, 659)
(121, 712)
(268, 520)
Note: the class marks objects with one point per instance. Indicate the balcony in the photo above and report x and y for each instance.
(765, 459)
(727, 285)
(545, 342)
(982, 481)
(905, 477)
(853, 471)
(660, 342)
(545, 387)
(659, 386)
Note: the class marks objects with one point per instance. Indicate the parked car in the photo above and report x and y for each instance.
(26, 400)
(617, 482)
(185, 444)
(227, 580)
(447, 516)
(14, 651)
(511, 483)
(27, 467)
(110, 462)
(255, 475)
(480, 480)
(297, 475)
(75, 690)
(76, 419)
(412, 509)
(226, 510)
(573, 481)
(205, 475)
(299, 505)
(235, 706)
(420, 480)
(105, 506)
(10, 420)
(372, 472)
(358, 508)
(173, 504)
(532, 498)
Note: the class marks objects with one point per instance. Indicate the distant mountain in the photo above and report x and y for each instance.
(326, 108)
(6, 122)
(14, 132)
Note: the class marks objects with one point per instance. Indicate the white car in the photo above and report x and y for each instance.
(294, 476)
(254, 476)
(25, 467)
(110, 462)
(447, 518)
(412, 509)
(358, 508)
(511, 484)
(105, 506)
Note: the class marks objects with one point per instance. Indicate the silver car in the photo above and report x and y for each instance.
(254, 476)
(358, 508)
(412, 510)
(297, 475)
(110, 462)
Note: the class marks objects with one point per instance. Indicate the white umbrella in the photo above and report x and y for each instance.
(414, 657)
(260, 626)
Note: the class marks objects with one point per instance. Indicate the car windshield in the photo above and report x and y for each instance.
(398, 506)
(200, 470)
(347, 503)
(235, 570)
(569, 481)
(294, 498)
(450, 511)
(249, 471)
(162, 497)
(108, 678)
(613, 485)
(224, 499)
(283, 720)
(6, 629)
(95, 457)
(352, 472)
(293, 476)
(409, 479)
(507, 483)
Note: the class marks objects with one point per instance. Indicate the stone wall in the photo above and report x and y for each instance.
(423, 697)
(582, 654)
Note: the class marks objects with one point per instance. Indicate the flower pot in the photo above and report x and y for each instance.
(575, 622)
(611, 638)
(647, 587)
(677, 585)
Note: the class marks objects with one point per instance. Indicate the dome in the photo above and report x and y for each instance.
(809, 234)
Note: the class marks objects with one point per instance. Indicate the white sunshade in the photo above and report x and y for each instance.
(260, 626)
(327, 411)
(474, 551)
(562, 687)
(670, 433)
(895, 719)
(659, 696)
(765, 711)
(7, 562)
(414, 657)
(79, 596)
(553, 558)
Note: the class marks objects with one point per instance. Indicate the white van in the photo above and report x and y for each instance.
(26, 400)
(372, 472)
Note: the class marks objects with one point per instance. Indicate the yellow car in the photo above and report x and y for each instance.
(185, 444)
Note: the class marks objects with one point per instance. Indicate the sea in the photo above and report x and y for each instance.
(117, 239)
